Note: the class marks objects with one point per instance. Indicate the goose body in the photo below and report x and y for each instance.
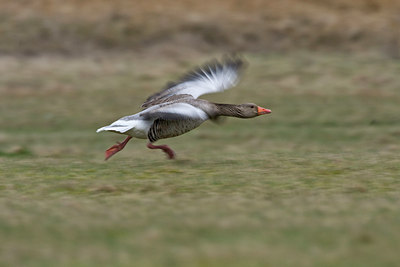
(148, 123)
(176, 110)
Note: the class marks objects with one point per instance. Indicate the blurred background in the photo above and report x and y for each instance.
(315, 183)
(162, 27)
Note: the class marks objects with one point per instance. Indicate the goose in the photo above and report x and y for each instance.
(176, 109)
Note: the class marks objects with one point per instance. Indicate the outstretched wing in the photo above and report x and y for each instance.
(210, 78)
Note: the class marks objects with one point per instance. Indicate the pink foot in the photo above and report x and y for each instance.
(167, 150)
(116, 148)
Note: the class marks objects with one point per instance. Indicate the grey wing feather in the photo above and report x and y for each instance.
(168, 99)
(210, 78)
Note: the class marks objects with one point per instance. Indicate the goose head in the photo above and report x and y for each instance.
(250, 110)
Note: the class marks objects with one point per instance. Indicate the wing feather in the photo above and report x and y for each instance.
(174, 111)
(211, 78)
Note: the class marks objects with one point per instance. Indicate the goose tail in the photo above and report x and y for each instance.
(118, 126)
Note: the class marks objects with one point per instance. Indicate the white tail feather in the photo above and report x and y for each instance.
(118, 126)
(132, 127)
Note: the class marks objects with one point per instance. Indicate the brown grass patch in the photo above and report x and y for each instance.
(228, 25)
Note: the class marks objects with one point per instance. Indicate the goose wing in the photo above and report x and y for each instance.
(174, 111)
(211, 78)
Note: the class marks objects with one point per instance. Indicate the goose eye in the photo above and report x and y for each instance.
(252, 106)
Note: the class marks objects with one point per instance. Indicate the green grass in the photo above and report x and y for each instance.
(316, 183)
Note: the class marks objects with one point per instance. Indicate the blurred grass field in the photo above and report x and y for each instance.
(316, 183)
(159, 27)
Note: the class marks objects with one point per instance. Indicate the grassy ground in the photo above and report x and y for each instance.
(316, 183)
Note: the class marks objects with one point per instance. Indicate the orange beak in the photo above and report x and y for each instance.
(262, 111)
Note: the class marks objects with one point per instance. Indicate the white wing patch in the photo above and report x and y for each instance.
(209, 81)
(174, 112)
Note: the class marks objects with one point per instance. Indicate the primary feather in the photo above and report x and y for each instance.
(211, 78)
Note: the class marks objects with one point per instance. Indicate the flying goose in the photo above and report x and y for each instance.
(176, 109)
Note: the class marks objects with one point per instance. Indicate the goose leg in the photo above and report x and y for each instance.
(165, 148)
(116, 148)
